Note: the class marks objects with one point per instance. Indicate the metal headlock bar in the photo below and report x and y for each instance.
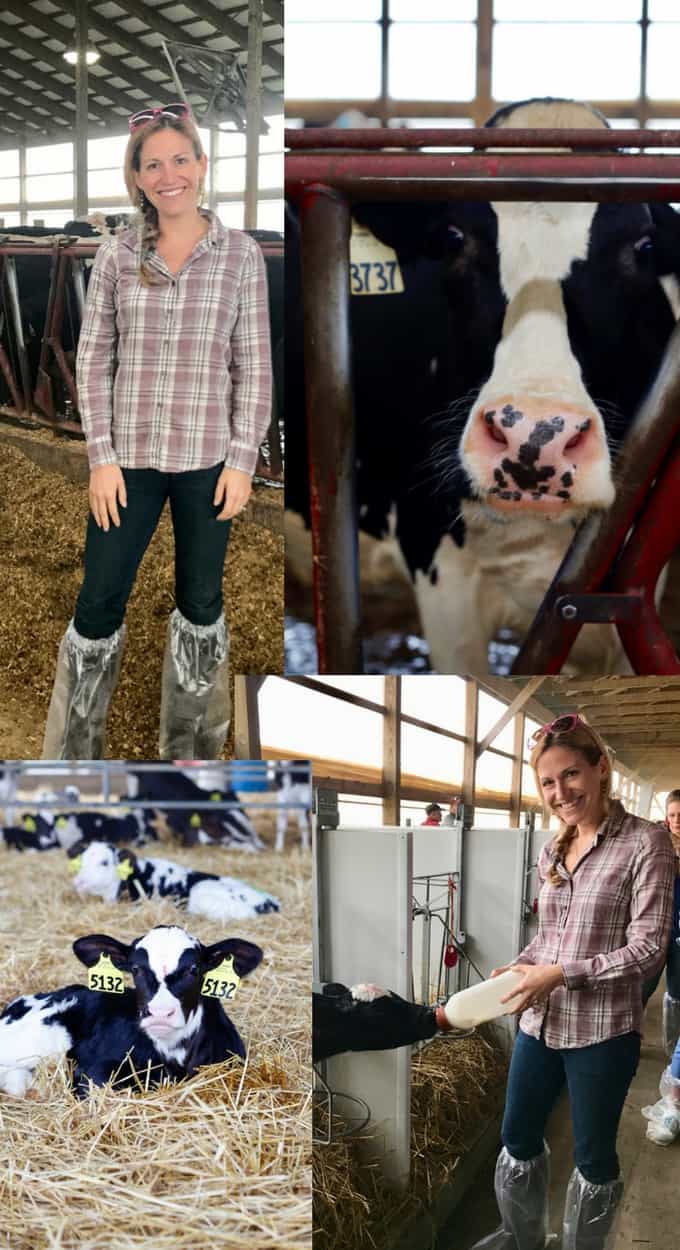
(328, 169)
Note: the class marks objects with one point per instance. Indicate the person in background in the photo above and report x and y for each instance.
(433, 813)
(664, 1115)
(606, 887)
(450, 817)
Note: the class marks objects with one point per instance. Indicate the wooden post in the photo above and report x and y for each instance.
(391, 788)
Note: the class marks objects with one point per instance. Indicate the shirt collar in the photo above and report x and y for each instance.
(610, 826)
(217, 233)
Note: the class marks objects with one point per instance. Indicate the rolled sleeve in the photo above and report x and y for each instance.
(648, 931)
(96, 358)
(251, 367)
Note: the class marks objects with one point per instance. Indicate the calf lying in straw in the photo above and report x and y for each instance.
(112, 874)
(170, 1024)
(229, 826)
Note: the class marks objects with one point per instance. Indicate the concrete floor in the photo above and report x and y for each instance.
(650, 1217)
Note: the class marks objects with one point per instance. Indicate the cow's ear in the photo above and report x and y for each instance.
(88, 949)
(77, 849)
(246, 955)
(411, 229)
(666, 238)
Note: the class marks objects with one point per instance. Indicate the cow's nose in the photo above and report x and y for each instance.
(163, 1013)
(533, 457)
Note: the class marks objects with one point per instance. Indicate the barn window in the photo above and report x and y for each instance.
(427, 58)
(425, 754)
(662, 63)
(588, 61)
(314, 29)
(418, 699)
(305, 723)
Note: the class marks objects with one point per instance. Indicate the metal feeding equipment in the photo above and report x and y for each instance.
(223, 75)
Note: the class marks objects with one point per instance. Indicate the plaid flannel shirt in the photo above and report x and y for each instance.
(608, 927)
(176, 376)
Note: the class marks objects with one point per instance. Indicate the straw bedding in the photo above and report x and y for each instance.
(222, 1159)
(455, 1087)
(42, 530)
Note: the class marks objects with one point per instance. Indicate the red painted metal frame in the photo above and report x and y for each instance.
(380, 175)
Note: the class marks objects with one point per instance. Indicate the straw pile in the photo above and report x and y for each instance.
(42, 530)
(455, 1087)
(219, 1160)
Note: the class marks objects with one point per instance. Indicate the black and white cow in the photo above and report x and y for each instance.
(367, 1017)
(165, 1026)
(104, 870)
(293, 783)
(35, 833)
(230, 827)
(131, 828)
(493, 393)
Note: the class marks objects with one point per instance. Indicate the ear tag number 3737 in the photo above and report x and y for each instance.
(105, 978)
(221, 982)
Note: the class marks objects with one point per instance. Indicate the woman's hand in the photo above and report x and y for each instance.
(233, 489)
(107, 491)
(535, 985)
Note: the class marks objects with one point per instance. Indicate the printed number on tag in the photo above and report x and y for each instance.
(105, 978)
(374, 268)
(221, 982)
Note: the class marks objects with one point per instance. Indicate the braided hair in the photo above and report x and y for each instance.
(583, 738)
(146, 218)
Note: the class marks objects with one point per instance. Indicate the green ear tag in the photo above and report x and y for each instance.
(60, 822)
(29, 824)
(104, 977)
(195, 821)
(74, 864)
(221, 982)
(125, 869)
(216, 796)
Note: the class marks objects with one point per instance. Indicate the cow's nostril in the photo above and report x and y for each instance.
(575, 440)
(497, 434)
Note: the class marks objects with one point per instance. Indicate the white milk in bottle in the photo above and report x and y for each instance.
(482, 1002)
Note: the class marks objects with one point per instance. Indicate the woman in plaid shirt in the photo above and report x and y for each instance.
(174, 387)
(606, 884)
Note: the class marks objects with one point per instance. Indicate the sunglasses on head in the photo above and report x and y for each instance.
(562, 725)
(175, 111)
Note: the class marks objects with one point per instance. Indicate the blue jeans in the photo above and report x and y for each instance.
(672, 975)
(112, 559)
(598, 1078)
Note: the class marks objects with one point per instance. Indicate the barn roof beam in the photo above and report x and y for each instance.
(65, 96)
(100, 85)
(223, 26)
(26, 108)
(518, 704)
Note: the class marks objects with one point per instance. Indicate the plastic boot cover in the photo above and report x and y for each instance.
(670, 1023)
(522, 1195)
(195, 691)
(590, 1214)
(664, 1115)
(86, 677)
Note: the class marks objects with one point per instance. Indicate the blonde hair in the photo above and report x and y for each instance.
(147, 216)
(582, 737)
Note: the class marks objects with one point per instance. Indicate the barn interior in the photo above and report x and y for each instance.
(382, 749)
(445, 67)
(72, 75)
(221, 1158)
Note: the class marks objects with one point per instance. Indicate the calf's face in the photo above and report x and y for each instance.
(98, 868)
(168, 966)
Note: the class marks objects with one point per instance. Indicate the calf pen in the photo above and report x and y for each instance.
(431, 1118)
(221, 1159)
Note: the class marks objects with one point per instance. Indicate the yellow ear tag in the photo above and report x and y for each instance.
(29, 824)
(125, 869)
(104, 977)
(216, 796)
(60, 822)
(221, 982)
(74, 864)
(195, 821)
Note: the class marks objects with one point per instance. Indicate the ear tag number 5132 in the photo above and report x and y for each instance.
(221, 982)
(105, 978)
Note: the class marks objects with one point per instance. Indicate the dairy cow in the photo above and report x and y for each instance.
(367, 1017)
(493, 394)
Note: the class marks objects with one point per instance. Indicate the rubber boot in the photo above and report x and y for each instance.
(522, 1187)
(195, 690)
(590, 1213)
(670, 1023)
(86, 677)
(664, 1116)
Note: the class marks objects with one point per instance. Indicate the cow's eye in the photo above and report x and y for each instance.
(643, 248)
(455, 238)
(193, 970)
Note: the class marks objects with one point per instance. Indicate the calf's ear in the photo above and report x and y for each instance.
(246, 955)
(77, 849)
(88, 949)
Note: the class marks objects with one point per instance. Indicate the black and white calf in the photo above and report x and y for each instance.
(367, 1017)
(35, 833)
(229, 827)
(72, 827)
(166, 1026)
(293, 783)
(112, 874)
